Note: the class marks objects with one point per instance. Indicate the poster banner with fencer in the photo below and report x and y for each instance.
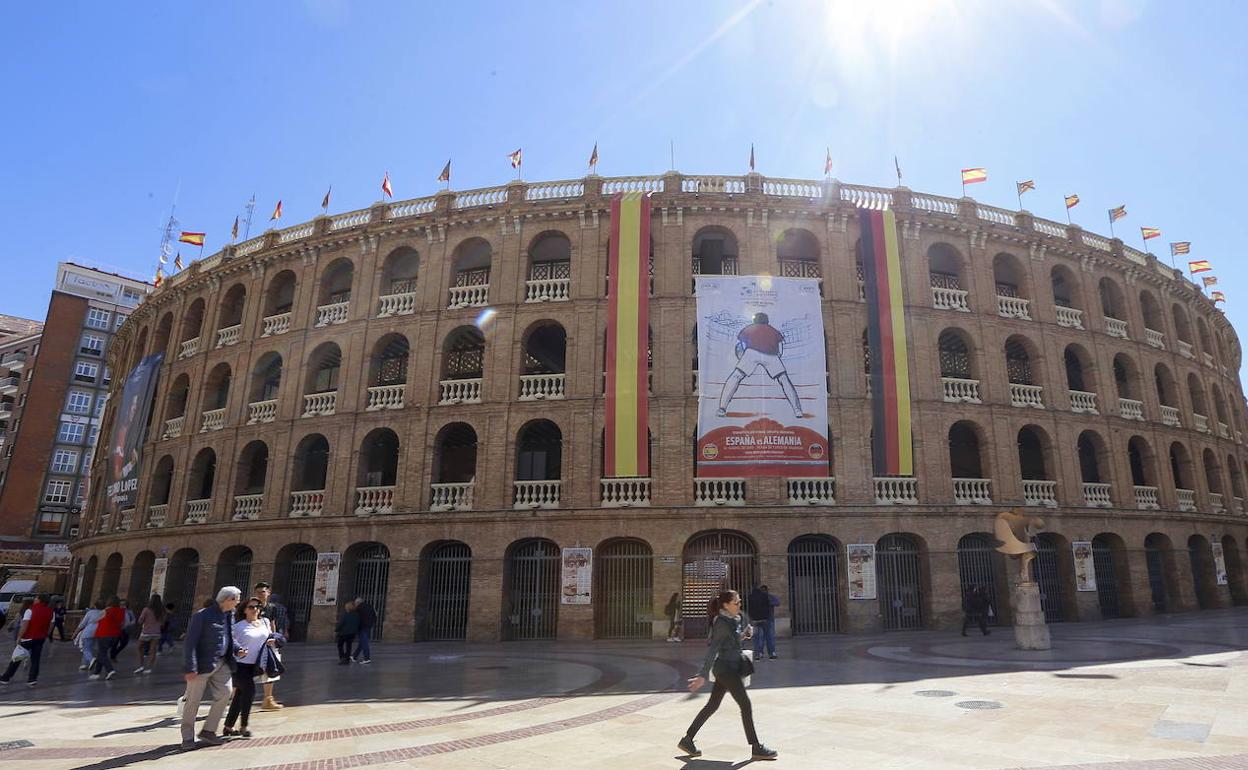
(577, 575)
(762, 377)
(129, 432)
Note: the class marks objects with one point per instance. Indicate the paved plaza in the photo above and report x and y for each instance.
(1165, 693)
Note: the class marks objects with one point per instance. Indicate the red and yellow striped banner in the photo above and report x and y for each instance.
(892, 449)
(628, 324)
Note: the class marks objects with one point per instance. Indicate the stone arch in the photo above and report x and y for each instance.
(336, 282)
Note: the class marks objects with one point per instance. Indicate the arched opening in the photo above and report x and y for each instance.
(957, 370)
(203, 474)
(1184, 476)
(1163, 576)
(216, 390)
(140, 348)
(1053, 565)
(180, 580)
(531, 590)
(323, 370)
(230, 318)
(539, 451)
(1182, 328)
(398, 282)
(1034, 462)
(378, 472)
(140, 590)
(387, 366)
(1237, 483)
(470, 279)
(550, 267)
(463, 362)
(797, 253)
(252, 471)
(1200, 410)
(294, 576)
(1078, 368)
(266, 382)
(981, 567)
(1206, 342)
(1219, 410)
(901, 574)
(1203, 576)
(1113, 576)
(162, 482)
(623, 571)
(814, 584)
(1114, 307)
(715, 252)
(164, 331)
(1018, 361)
(1127, 380)
(175, 403)
(1013, 295)
(110, 577)
(545, 351)
(945, 266)
(1213, 479)
(335, 285)
(234, 569)
(971, 486)
(1142, 462)
(445, 591)
(311, 465)
(1235, 577)
(1153, 321)
(714, 561)
(1167, 393)
(279, 299)
(366, 575)
(86, 590)
(1064, 294)
(192, 326)
(454, 467)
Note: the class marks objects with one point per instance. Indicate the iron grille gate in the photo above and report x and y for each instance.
(976, 569)
(533, 591)
(372, 579)
(297, 591)
(180, 586)
(236, 573)
(1106, 579)
(1045, 572)
(624, 591)
(814, 585)
(714, 562)
(141, 583)
(900, 593)
(446, 593)
(1156, 576)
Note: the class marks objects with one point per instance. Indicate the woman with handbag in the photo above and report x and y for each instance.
(251, 635)
(730, 666)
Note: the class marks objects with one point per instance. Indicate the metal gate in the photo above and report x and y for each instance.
(444, 614)
(976, 569)
(899, 580)
(236, 571)
(372, 579)
(1156, 576)
(1046, 572)
(294, 589)
(180, 589)
(814, 585)
(141, 580)
(624, 590)
(532, 591)
(1106, 578)
(713, 562)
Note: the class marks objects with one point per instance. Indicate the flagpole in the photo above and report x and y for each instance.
(1067, 213)
(1020, 197)
(1111, 225)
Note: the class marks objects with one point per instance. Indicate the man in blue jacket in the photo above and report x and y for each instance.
(208, 663)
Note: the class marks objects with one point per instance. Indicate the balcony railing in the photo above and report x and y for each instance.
(961, 391)
(374, 500)
(469, 296)
(1185, 349)
(1013, 307)
(1238, 505)
(949, 299)
(323, 404)
(248, 507)
(972, 491)
(14, 362)
(307, 502)
(1096, 495)
(451, 497)
(126, 521)
(538, 387)
(1083, 402)
(547, 289)
(625, 492)
(1146, 498)
(1215, 503)
(1130, 409)
(1170, 416)
(1200, 422)
(173, 427)
(1071, 318)
(537, 494)
(230, 335)
(1186, 499)
(261, 411)
(6, 408)
(460, 391)
(333, 313)
(396, 304)
(1155, 338)
(1116, 327)
(1027, 395)
(1040, 492)
(197, 511)
(1207, 358)
(716, 491)
(812, 490)
(213, 419)
(188, 348)
(275, 324)
(9, 385)
(896, 490)
(157, 515)
(386, 397)
(1224, 430)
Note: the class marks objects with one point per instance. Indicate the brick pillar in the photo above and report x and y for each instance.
(401, 597)
(485, 602)
(944, 606)
(1137, 586)
(576, 621)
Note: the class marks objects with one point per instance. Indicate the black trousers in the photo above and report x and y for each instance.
(36, 648)
(975, 617)
(244, 694)
(727, 682)
(344, 645)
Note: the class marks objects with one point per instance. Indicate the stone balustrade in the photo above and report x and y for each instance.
(213, 419)
(469, 296)
(547, 290)
(1083, 402)
(1146, 498)
(972, 491)
(1170, 416)
(370, 500)
(1116, 327)
(1097, 495)
(157, 515)
(537, 494)
(386, 397)
(625, 492)
(1071, 318)
(396, 304)
(718, 491)
(230, 335)
(961, 391)
(811, 490)
(1186, 350)
(1130, 409)
(307, 502)
(1155, 338)
(126, 521)
(451, 496)
(349, 220)
(333, 313)
(323, 404)
(1013, 307)
(188, 348)
(275, 324)
(460, 391)
(948, 299)
(197, 511)
(248, 507)
(1186, 499)
(896, 490)
(1224, 430)
(1215, 503)
(538, 387)
(1040, 492)
(1207, 357)
(261, 412)
(173, 427)
(1027, 395)
(1200, 422)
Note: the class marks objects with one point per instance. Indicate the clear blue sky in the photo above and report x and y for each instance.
(109, 106)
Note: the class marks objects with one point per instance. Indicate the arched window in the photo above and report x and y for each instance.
(545, 361)
(955, 355)
(162, 482)
(1199, 407)
(1213, 477)
(970, 485)
(335, 286)
(1152, 319)
(323, 368)
(279, 298)
(944, 265)
(1140, 459)
(1077, 365)
(1181, 471)
(1010, 279)
(266, 379)
(230, 320)
(1063, 282)
(1018, 362)
(164, 330)
(1167, 388)
(550, 267)
(217, 388)
(1113, 305)
(388, 364)
(470, 279)
(1126, 378)
(454, 466)
(463, 354)
(253, 468)
(378, 472)
(1032, 461)
(715, 252)
(1182, 328)
(539, 464)
(203, 474)
(309, 476)
(398, 282)
(175, 402)
(797, 253)
(1091, 449)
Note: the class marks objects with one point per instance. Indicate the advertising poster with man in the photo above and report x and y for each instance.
(1085, 566)
(762, 398)
(578, 571)
(129, 431)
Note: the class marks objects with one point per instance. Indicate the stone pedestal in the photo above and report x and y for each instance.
(1030, 631)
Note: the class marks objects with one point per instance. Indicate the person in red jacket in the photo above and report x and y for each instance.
(31, 635)
(106, 633)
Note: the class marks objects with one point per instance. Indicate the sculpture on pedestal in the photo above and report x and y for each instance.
(1014, 534)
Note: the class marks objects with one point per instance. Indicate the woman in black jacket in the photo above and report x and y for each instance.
(724, 657)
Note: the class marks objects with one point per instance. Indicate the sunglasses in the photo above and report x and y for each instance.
(253, 607)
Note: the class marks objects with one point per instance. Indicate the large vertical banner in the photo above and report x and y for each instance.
(860, 558)
(129, 431)
(762, 377)
(325, 585)
(892, 451)
(160, 570)
(628, 333)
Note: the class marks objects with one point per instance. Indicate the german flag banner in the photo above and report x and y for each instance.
(892, 451)
(628, 324)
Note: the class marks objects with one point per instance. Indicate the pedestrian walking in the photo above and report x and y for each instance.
(672, 610)
(58, 618)
(345, 632)
(106, 633)
(32, 632)
(975, 608)
(250, 636)
(167, 631)
(129, 628)
(151, 620)
(368, 619)
(712, 612)
(725, 659)
(279, 620)
(84, 636)
(762, 612)
(207, 665)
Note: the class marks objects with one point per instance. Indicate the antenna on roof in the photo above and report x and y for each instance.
(250, 209)
(171, 225)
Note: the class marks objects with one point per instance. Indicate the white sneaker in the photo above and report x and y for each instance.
(94, 676)
(83, 667)
(147, 671)
(140, 670)
(110, 675)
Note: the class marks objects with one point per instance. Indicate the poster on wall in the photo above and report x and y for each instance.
(861, 560)
(1085, 567)
(56, 554)
(577, 582)
(160, 568)
(129, 429)
(762, 377)
(325, 588)
(1219, 563)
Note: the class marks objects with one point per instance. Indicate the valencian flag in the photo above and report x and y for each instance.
(1072, 201)
(385, 186)
(1179, 248)
(1218, 296)
(628, 324)
(1117, 213)
(973, 175)
(277, 212)
(516, 157)
(1150, 232)
(827, 163)
(593, 156)
(1209, 280)
(1025, 185)
(177, 261)
(892, 450)
(234, 229)
(445, 176)
(195, 239)
(1199, 266)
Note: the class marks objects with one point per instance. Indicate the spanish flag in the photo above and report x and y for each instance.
(973, 175)
(1199, 266)
(1072, 201)
(628, 325)
(195, 239)
(1150, 232)
(1209, 280)
(1218, 296)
